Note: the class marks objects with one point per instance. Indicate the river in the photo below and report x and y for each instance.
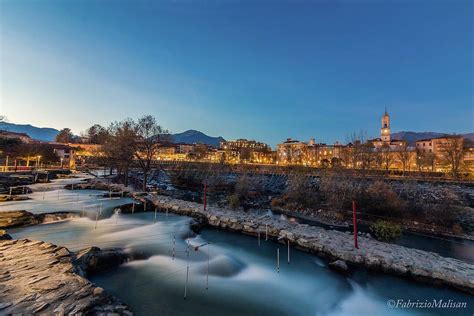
(241, 275)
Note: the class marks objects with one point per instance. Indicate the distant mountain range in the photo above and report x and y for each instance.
(194, 137)
(40, 133)
(48, 134)
(412, 137)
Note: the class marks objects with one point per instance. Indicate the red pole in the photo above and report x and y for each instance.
(354, 222)
(204, 198)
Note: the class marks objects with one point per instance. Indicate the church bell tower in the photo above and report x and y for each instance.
(385, 130)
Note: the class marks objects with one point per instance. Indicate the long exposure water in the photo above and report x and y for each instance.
(241, 275)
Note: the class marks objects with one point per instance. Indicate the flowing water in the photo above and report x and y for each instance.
(241, 276)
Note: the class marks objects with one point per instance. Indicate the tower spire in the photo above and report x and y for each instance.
(385, 130)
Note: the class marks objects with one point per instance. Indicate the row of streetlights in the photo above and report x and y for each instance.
(15, 165)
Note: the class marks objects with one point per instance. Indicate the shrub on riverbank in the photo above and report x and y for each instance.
(301, 192)
(234, 201)
(379, 199)
(386, 231)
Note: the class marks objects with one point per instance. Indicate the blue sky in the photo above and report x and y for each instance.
(262, 70)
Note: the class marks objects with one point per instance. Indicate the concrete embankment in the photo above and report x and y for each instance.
(372, 254)
(40, 278)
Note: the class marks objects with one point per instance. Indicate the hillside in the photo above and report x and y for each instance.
(193, 136)
(39, 133)
(412, 137)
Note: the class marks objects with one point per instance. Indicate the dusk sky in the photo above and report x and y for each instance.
(263, 71)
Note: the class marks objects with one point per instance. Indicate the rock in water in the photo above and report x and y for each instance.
(92, 260)
(340, 266)
(4, 235)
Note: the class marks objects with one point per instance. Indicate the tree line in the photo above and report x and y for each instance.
(129, 143)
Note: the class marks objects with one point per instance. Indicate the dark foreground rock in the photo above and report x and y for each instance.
(93, 260)
(40, 278)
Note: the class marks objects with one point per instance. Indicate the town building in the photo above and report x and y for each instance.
(243, 150)
(438, 149)
(66, 154)
(291, 152)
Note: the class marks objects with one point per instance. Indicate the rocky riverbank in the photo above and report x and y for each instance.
(24, 218)
(335, 245)
(41, 278)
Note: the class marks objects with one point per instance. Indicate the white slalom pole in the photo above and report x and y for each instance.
(187, 273)
(278, 260)
(58, 194)
(10, 192)
(100, 209)
(208, 259)
(174, 244)
(156, 209)
(288, 242)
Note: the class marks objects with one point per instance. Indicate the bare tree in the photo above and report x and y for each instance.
(149, 135)
(119, 145)
(65, 136)
(378, 158)
(452, 152)
(387, 156)
(358, 152)
(96, 134)
(424, 160)
(366, 154)
(403, 154)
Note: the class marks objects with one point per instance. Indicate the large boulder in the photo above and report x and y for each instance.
(93, 259)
